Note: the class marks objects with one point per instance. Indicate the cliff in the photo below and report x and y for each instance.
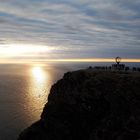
(90, 105)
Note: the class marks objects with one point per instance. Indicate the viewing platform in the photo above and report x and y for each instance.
(117, 67)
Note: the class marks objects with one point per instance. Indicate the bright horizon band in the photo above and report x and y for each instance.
(93, 60)
(27, 61)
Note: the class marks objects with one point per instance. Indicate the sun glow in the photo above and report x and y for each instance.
(33, 53)
(15, 50)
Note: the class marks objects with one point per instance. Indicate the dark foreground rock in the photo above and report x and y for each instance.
(90, 105)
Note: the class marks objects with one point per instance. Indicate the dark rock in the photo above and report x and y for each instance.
(90, 105)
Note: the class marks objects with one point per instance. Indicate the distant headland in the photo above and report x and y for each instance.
(99, 103)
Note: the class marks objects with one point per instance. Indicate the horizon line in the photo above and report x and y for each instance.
(131, 60)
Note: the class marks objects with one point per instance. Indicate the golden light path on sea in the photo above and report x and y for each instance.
(39, 86)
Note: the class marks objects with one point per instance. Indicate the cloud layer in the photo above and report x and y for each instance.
(73, 28)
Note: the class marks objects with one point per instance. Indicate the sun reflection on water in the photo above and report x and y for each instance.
(40, 83)
(39, 75)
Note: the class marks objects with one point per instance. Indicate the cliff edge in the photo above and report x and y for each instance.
(90, 105)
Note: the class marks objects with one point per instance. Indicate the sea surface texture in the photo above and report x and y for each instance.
(24, 91)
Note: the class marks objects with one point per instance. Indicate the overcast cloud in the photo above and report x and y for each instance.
(73, 28)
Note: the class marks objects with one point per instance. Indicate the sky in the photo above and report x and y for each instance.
(69, 29)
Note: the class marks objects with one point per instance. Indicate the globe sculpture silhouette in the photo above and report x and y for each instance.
(118, 60)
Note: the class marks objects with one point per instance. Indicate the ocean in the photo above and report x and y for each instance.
(24, 90)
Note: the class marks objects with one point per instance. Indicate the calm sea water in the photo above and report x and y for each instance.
(24, 90)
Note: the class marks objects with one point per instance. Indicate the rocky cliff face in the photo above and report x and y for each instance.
(90, 105)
